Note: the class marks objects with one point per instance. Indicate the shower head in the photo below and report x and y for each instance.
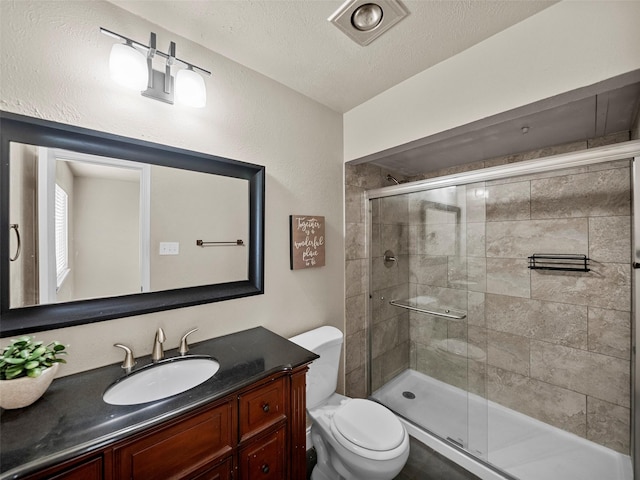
(391, 178)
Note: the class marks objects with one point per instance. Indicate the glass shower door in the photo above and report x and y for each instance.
(428, 360)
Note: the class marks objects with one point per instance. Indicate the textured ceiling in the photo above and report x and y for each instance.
(292, 42)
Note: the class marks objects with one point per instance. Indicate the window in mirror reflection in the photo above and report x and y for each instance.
(118, 212)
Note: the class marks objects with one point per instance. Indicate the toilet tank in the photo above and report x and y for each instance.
(322, 377)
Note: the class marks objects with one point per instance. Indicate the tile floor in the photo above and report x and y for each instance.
(426, 464)
(423, 464)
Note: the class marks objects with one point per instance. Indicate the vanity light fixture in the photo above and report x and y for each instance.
(131, 65)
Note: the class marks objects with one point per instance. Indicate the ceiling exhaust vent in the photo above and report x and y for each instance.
(365, 20)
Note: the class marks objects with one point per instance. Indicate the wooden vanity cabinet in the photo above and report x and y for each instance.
(181, 449)
(256, 433)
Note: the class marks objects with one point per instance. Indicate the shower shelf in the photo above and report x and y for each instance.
(416, 306)
(561, 262)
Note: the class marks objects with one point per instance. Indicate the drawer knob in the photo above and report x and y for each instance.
(265, 407)
(265, 468)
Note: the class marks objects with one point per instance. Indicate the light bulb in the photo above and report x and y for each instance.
(190, 89)
(128, 67)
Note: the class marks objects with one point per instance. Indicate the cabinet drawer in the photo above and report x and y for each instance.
(261, 408)
(219, 472)
(264, 458)
(180, 450)
(87, 470)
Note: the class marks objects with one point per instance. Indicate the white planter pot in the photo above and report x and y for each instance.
(22, 392)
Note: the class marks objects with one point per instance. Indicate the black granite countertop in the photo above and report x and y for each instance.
(72, 419)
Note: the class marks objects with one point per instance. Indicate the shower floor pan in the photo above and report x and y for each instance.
(521, 446)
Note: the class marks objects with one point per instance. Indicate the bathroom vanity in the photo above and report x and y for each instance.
(246, 422)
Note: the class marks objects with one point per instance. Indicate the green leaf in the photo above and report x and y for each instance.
(13, 373)
(37, 353)
(34, 373)
(15, 361)
(31, 365)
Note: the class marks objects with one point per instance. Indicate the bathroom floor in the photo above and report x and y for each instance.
(426, 464)
(423, 464)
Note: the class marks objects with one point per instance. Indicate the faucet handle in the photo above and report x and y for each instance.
(129, 361)
(184, 348)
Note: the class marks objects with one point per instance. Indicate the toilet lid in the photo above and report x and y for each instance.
(368, 425)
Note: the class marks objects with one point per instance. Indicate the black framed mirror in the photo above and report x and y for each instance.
(235, 183)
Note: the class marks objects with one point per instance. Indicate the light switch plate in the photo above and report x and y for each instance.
(169, 248)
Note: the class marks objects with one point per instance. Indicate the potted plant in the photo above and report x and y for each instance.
(27, 368)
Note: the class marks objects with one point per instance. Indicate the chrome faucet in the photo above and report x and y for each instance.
(158, 351)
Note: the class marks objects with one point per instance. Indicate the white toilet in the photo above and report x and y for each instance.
(354, 438)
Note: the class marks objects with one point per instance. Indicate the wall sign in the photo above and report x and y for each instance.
(307, 241)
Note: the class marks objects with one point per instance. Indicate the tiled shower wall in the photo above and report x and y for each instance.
(554, 346)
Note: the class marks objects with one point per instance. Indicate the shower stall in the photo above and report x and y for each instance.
(500, 311)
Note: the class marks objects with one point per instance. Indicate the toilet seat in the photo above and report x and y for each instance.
(368, 429)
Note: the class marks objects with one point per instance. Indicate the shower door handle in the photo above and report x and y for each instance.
(14, 227)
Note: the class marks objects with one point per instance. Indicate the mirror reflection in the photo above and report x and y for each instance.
(93, 227)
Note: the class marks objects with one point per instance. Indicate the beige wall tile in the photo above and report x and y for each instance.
(426, 329)
(476, 194)
(446, 297)
(355, 241)
(610, 332)
(508, 352)
(476, 239)
(428, 270)
(355, 277)
(508, 202)
(443, 366)
(364, 175)
(560, 323)
(434, 206)
(438, 239)
(607, 285)
(610, 239)
(355, 351)
(355, 383)
(457, 272)
(476, 309)
(381, 309)
(394, 238)
(524, 238)
(551, 404)
(354, 204)
(626, 163)
(608, 425)
(394, 210)
(375, 245)
(384, 336)
(384, 276)
(477, 274)
(601, 193)
(508, 276)
(600, 376)
(355, 308)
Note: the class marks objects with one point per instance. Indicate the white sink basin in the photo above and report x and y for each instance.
(161, 380)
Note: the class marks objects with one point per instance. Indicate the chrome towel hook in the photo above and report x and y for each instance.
(14, 226)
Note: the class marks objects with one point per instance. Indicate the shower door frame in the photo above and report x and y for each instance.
(618, 151)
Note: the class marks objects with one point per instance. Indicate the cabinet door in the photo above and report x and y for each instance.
(262, 408)
(179, 450)
(223, 471)
(264, 458)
